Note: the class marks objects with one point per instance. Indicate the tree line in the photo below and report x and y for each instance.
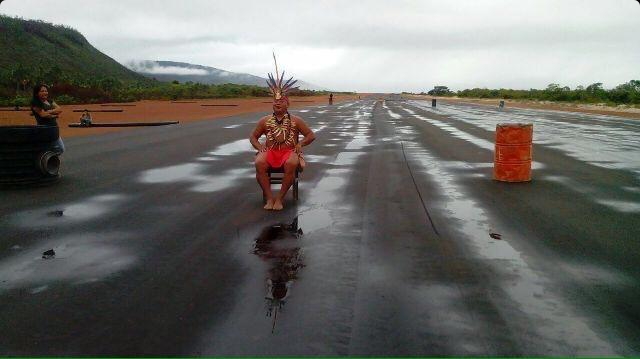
(16, 89)
(623, 94)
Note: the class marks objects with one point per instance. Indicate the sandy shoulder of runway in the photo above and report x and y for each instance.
(152, 111)
(600, 109)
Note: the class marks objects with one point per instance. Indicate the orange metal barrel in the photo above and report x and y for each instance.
(512, 160)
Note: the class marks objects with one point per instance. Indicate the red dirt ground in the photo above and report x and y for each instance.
(150, 111)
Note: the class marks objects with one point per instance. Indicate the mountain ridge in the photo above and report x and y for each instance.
(169, 71)
(67, 54)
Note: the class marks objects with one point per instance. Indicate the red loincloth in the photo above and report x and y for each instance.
(277, 158)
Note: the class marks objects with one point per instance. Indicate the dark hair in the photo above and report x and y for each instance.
(35, 100)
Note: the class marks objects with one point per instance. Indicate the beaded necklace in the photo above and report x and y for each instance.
(280, 133)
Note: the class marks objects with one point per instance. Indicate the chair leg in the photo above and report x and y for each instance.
(264, 198)
(295, 186)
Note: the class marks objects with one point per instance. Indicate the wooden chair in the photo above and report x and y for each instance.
(277, 174)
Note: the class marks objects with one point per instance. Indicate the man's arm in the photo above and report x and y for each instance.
(309, 136)
(255, 135)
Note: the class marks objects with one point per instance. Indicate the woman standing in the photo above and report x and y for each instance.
(45, 111)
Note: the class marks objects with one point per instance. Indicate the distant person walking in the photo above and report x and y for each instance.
(330, 99)
(45, 111)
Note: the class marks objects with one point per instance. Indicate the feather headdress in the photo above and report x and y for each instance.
(277, 85)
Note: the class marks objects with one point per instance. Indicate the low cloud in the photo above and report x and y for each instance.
(407, 45)
(151, 67)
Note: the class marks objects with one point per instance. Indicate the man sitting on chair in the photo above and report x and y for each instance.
(281, 148)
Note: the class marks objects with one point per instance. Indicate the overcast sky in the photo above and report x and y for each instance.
(369, 45)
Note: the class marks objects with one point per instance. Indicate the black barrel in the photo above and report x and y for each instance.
(433, 102)
(29, 155)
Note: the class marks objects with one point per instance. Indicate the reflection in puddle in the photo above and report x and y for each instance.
(192, 173)
(206, 159)
(78, 259)
(347, 158)
(233, 148)
(184, 172)
(222, 181)
(621, 206)
(358, 143)
(314, 219)
(614, 204)
(457, 133)
(316, 158)
(394, 115)
(319, 128)
(279, 246)
(39, 289)
(591, 273)
(233, 126)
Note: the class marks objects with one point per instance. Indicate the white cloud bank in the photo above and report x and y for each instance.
(403, 45)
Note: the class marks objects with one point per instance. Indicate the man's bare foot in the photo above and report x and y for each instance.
(277, 205)
(269, 205)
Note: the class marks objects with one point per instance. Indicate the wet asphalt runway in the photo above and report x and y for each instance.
(162, 247)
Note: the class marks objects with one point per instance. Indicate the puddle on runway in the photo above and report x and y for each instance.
(332, 181)
(223, 181)
(593, 274)
(39, 289)
(192, 173)
(79, 259)
(529, 290)
(318, 129)
(394, 115)
(316, 158)
(624, 206)
(233, 148)
(480, 142)
(347, 158)
(314, 219)
(84, 210)
(603, 141)
(618, 205)
(358, 143)
(178, 173)
(621, 206)
(631, 189)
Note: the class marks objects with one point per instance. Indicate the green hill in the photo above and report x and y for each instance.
(35, 51)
